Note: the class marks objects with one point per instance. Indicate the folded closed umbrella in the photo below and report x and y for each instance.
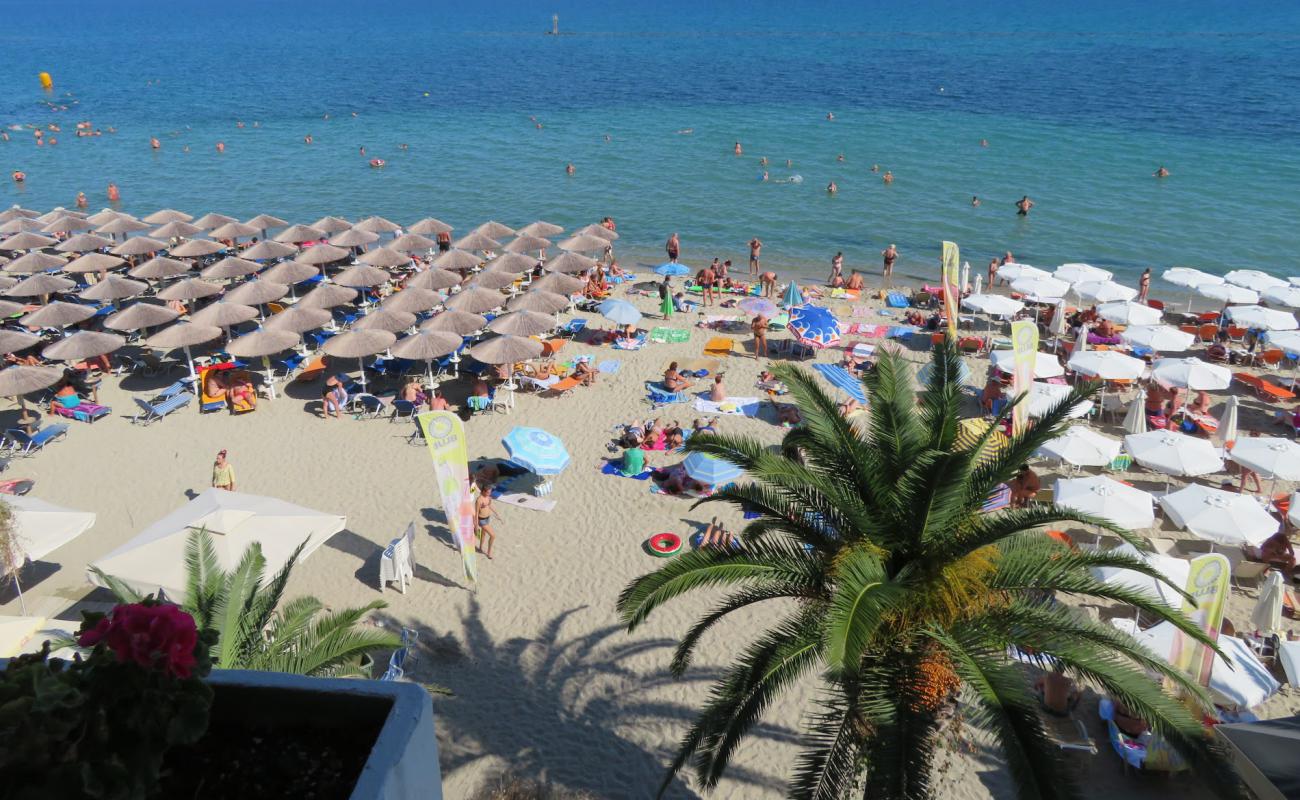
(1081, 273)
(494, 230)
(262, 342)
(412, 301)
(570, 263)
(38, 285)
(165, 215)
(1173, 453)
(27, 240)
(1035, 288)
(189, 289)
(1164, 338)
(511, 264)
(298, 319)
(814, 326)
(362, 276)
(297, 234)
(557, 283)
(1046, 365)
(138, 246)
(522, 323)
(1268, 319)
(82, 345)
(1270, 456)
(289, 273)
(1191, 373)
(384, 257)
(539, 301)
(1174, 570)
(1227, 431)
(477, 241)
(353, 237)
(383, 319)
(267, 248)
(1266, 616)
(536, 450)
(93, 262)
(1218, 516)
(140, 315)
(233, 230)
(711, 471)
(540, 228)
(196, 248)
(35, 261)
(457, 259)
(321, 254)
(327, 295)
(176, 229)
(506, 349)
(459, 322)
(412, 243)
(1253, 279)
(113, 287)
(57, 314)
(475, 300)
(1110, 365)
(1135, 418)
(583, 243)
(255, 293)
(1081, 446)
(1121, 505)
(620, 312)
(494, 281)
(230, 267)
(996, 305)
(527, 244)
(1227, 293)
(160, 267)
(377, 225)
(331, 225)
(430, 227)
(223, 314)
(1106, 291)
(212, 220)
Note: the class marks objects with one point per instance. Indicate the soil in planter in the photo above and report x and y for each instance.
(245, 762)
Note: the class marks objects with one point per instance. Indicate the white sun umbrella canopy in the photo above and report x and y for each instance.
(1189, 278)
(1227, 293)
(1227, 431)
(1285, 340)
(1081, 273)
(1217, 516)
(1164, 338)
(1124, 312)
(1043, 397)
(1175, 570)
(996, 305)
(155, 558)
(1104, 291)
(1243, 683)
(1041, 289)
(1191, 373)
(1173, 453)
(1121, 505)
(1253, 279)
(1081, 446)
(1110, 365)
(1012, 272)
(1288, 296)
(1268, 319)
(1270, 456)
(40, 528)
(1046, 365)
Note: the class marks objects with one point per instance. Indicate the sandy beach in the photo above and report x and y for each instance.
(544, 681)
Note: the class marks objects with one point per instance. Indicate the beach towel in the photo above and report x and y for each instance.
(874, 331)
(902, 331)
(844, 294)
(860, 311)
(610, 468)
(709, 365)
(528, 501)
(609, 367)
(732, 406)
(665, 335)
(719, 346)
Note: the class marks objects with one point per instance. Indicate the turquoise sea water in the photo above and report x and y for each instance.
(1079, 106)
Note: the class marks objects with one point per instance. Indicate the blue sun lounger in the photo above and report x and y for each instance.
(151, 412)
(26, 444)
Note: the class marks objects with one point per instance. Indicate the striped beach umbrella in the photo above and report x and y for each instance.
(969, 432)
(814, 326)
(709, 470)
(536, 450)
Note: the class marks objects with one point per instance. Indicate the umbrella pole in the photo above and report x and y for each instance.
(270, 379)
(189, 362)
(361, 362)
(22, 601)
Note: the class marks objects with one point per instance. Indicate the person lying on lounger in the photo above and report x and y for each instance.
(717, 537)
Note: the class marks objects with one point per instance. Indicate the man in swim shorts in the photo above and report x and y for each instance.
(755, 250)
(890, 255)
(768, 281)
(1023, 205)
(706, 279)
(673, 247)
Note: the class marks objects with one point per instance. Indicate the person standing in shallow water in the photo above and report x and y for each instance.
(755, 251)
(1144, 285)
(889, 255)
(673, 247)
(1023, 205)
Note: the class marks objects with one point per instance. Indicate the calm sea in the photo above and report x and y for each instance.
(1079, 103)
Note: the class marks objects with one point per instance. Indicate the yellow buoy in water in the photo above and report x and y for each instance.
(47, 83)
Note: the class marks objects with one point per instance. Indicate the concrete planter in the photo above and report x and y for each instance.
(403, 763)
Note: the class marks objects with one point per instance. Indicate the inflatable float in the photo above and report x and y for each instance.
(664, 544)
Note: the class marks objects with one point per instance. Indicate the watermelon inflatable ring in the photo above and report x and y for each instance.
(664, 544)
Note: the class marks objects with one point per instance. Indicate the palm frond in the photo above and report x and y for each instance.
(827, 766)
(864, 596)
(123, 592)
(231, 606)
(204, 577)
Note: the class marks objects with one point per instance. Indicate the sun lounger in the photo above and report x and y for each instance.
(573, 327)
(26, 444)
(83, 412)
(397, 662)
(564, 386)
(719, 347)
(363, 405)
(1264, 388)
(153, 411)
(403, 409)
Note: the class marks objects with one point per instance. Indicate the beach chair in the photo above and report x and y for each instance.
(156, 410)
(397, 563)
(314, 369)
(552, 346)
(564, 386)
(1206, 333)
(27, 444)
(573, 327)
(1272, 358)
(363, 405)
(397, 662)
(84, 411)
(403, 409)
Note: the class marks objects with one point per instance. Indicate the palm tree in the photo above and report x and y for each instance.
(254, 631)
(888, 585)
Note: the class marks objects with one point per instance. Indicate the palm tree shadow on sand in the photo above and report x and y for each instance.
(559, 709)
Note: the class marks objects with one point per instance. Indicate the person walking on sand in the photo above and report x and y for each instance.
(755, 251)
(666, 298)
(758, 326)
(1144, 285)
(706, 279)
(223, 473)
(889, 255)
(1023, 205)
(674, 248)
(837, 270)
(483, 529)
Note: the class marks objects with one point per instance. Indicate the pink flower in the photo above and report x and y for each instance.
(153, 636)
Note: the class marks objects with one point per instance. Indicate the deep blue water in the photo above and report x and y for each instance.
(1080, 102)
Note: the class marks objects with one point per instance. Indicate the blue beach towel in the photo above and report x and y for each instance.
(609, 367)
(610, 468)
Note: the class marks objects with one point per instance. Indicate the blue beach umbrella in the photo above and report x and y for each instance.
(711, 471)
(671, 269)
(793, 296)
(842, 379)
(536, 451)
(619, 311)
(814, 326)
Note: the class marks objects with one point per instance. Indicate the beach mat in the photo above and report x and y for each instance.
(665, 335)
(732, 406)
(860, 311)
(608, 468)
(719, 347)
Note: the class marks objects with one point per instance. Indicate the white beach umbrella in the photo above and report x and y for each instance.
(1288, 296)
(1271, 457)
(1175, 570)
(1253, 279)
(979, 283)
(1104, 291)
(1189, 278)
(1158, 337)
(1266, 617)
(1046, 365)
(1227, 293)
(1135, 419)
(1057, 325)
(1242, 681)
(1081, 446)
(1227, 430)
(1043, 397)
(1110, 365)
(1191, 373)
(1268, 319)
(1286, 340)
(1011, 272)
(1129, 313)
(155, 558)
(1173, 453)
(1039, 289)
(1081, 273)
(993, 304)
(1217, 516)
(1121, 505)
(40, 528)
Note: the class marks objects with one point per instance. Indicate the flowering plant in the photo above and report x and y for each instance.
(101, 724)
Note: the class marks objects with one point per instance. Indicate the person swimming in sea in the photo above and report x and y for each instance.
(1023, 205)
(569, 169)
(831, 188)
(738, 150)
(363, 149)
(154, 143)
(307, 139)
(975, 201)
(221, 147)
(889, 177)
(1161, 173)
(875, 167)
(984, 142)
(762, 162)
(685, 131)
(839, 157)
